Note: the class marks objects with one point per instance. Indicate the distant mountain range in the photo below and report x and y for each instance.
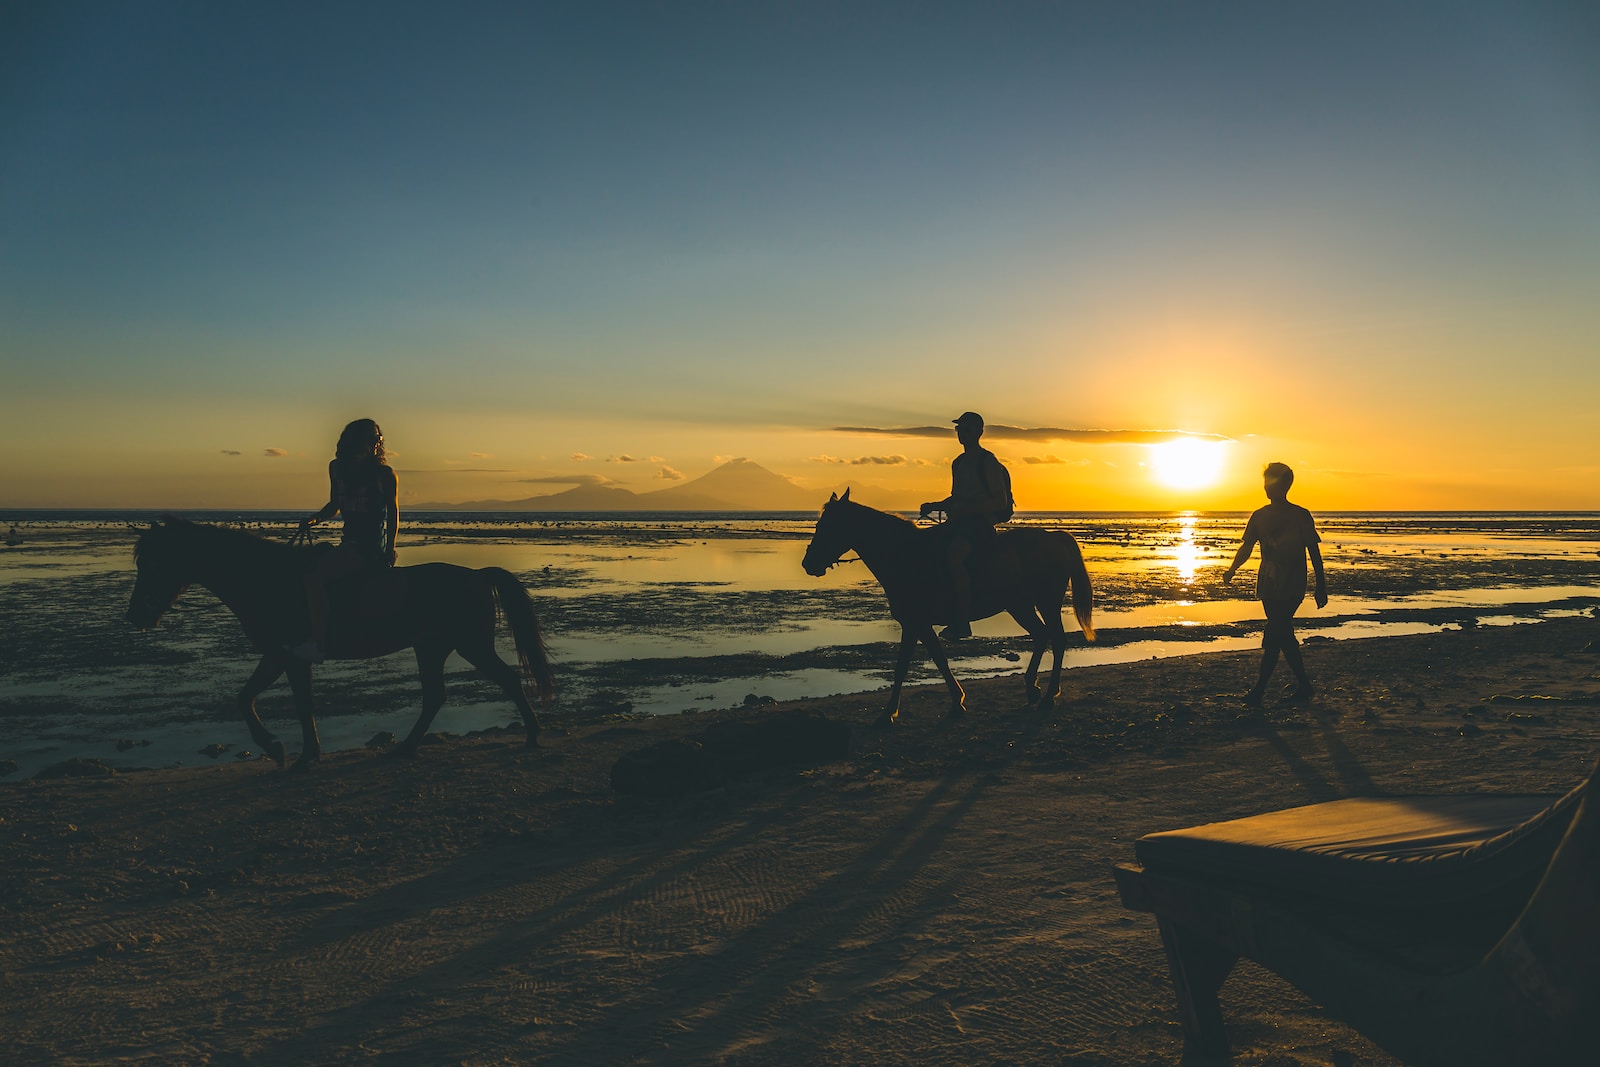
(738, 485)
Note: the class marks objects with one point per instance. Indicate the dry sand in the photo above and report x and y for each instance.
(943, 896)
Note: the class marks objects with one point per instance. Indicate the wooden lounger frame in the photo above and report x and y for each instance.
(1534, 997)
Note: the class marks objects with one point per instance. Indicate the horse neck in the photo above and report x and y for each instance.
(883, 542)
(239, 570)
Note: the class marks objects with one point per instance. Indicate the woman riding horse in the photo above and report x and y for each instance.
(363, 489)
(445, 609)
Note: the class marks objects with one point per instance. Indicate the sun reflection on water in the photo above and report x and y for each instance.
(1187, 554)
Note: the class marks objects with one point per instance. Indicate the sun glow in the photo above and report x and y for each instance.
(1186, 463)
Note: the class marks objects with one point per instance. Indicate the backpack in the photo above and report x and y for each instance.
(1010, 509)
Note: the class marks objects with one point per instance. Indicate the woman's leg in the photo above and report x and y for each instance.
(333, 564)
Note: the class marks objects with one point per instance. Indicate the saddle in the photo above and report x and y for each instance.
(992, 565)
(364, 607)
(365, 596)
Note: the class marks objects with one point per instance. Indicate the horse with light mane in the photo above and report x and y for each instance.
(1027, 576)
(434, 608)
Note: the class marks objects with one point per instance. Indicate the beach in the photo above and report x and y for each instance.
(666, 614)
(942, 895)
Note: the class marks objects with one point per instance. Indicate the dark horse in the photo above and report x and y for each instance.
(1026, 576)
(435, 608)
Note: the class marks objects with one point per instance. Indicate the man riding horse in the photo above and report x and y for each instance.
(980, 497)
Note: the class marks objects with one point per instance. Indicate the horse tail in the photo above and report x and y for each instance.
(517, 606)
(1082, 594)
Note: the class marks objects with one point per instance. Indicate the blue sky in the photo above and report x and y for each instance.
(1349, 236)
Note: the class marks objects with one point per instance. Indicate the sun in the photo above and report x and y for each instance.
(1186, 463)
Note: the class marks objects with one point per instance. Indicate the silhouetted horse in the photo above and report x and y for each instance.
(1026, 576)
(435, 608)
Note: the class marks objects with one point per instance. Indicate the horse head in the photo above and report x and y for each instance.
(831, 539)
(162, 574)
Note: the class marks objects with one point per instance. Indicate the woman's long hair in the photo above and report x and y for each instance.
(360, 448)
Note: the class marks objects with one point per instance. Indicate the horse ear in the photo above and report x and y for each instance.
(846, 493)
(833, 498)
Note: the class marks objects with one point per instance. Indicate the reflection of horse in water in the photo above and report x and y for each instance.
(1026, 575)
(435, 608)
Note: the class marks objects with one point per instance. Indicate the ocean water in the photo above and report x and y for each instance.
(660, 614)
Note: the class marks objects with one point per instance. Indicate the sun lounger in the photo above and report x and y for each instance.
(1451, 930)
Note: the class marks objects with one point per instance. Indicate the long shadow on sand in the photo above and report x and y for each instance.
(703, 987)
(1353, 779)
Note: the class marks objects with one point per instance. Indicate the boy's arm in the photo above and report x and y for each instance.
(1239, 559)
(1245, 548)
(1321, 592)
(942, 505)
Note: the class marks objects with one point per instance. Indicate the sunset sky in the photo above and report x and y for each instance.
(551, 243)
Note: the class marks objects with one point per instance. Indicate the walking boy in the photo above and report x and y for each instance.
(1287, 534)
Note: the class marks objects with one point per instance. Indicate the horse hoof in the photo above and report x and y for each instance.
(532, 743)
(886, 719)
(302, 765)
(275, 750)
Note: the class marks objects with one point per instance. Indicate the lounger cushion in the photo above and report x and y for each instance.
(1386, 851)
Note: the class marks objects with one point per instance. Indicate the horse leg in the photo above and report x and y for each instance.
(497, 670)
(958, 696)
(430, 666)
(267, 671)
(310, 743)
(891, 710)
(1058, 646)
(1029, 620)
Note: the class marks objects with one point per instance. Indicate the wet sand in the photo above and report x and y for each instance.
(942, 896)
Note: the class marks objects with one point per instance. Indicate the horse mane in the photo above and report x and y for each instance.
(209, 540)
(872, 511)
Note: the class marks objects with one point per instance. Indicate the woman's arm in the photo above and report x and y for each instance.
(391, 504)
(331, 508)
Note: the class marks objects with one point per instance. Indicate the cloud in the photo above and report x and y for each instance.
(570, 479)
(230, 452)
(580, 456)
(657, 459)
(720, 460)
(825, 458)
(923, 462)
(1042, 459)
(479, 455)
(275, 452)
(455, 470)
(1041, 433)
(669, 474)
(624, 458)
(895, 460)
